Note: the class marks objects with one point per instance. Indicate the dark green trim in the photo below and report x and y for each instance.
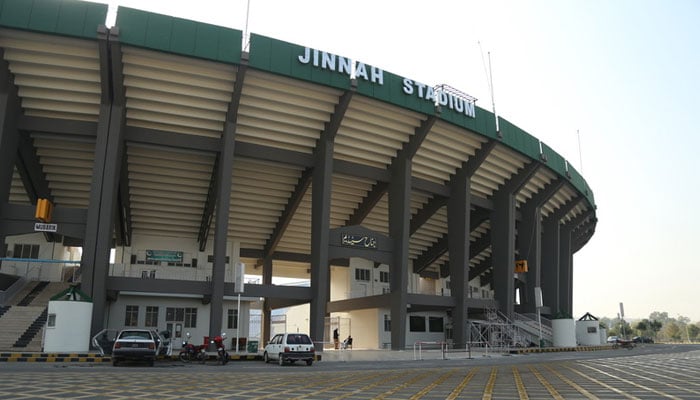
(179, 36)
(279, 57)
(63, 17)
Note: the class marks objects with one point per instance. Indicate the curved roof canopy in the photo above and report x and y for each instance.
(177, 78)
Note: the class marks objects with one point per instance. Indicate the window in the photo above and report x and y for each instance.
(132, 316)
(592, 329)
(384, 276)
(190, 317)
(417, 323)
(51, 321)
(232, 318)
(362, 274)
(26, 251)
(435, 324)
(174, 314)
(151, 316)
(387, 323)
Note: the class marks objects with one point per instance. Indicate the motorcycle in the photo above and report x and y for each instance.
(190, 352)
(221, 353)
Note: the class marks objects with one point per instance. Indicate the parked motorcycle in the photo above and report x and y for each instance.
(190, 352)
(221, 353)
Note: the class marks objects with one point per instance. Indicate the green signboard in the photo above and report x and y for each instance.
(164, 255)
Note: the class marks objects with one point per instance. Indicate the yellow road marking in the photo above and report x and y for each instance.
(546, 384)
(458, 390)
(631, 383)
(435, 383)
(377, 383)
(488, 390)
(614, 389)
(571, 383)
(407, 383)
(519, 384)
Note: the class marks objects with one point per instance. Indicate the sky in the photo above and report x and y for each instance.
(610, 85)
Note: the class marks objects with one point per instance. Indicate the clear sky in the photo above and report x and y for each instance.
(623, 74)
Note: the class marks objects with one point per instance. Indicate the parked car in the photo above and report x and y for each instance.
(290, 347)
(613, 339)
(642, 339)
(136, 344)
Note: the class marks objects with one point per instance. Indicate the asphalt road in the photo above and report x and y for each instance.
(646, 372)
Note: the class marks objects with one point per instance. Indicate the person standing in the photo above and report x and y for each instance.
(336, 337)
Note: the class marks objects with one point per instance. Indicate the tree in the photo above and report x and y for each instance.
(642, 327)
(672, 331)
(694, 332)
(655, 327)
(659, 316)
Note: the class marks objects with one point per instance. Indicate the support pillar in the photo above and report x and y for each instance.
(503, 251)
(458, 232)
(530, 249)
(267, 310)
(565, 272)
(550, 265)
(399, 227)
(9, 136)
(320, 226)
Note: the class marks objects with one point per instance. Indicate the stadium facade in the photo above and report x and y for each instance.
(161, 141)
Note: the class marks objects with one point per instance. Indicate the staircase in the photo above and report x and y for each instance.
(528, 323)
(22, 324)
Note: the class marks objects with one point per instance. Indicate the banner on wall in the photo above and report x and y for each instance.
(164, 255)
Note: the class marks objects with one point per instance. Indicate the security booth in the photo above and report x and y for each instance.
(68, 322)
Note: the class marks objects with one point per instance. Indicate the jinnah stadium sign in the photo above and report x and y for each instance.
(440, 95)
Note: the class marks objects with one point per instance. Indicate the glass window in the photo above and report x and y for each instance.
(384, 276)
(51, 321)
(190, 317)
(362, 274)
(151, 316)
(417, 323)
(232, 318)
(435, 324)
(132, 316)
(387, 323)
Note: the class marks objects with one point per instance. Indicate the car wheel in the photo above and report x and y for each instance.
(266, 358)
(185, 357)
(309, 361)
(281, 359)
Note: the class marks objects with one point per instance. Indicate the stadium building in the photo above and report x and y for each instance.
(174, 156)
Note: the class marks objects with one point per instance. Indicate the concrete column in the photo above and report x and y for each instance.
(565, 271)
(550, 264)
(458, 232)
(399, 228)
(9, 136)
(530, 249)
(223, 202)
(320, 226)
(503, 251)
(267, 310)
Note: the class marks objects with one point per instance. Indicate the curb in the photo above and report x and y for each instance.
(97, 358)
(559, 349)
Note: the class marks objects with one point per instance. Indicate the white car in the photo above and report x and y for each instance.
(290, 347)
(613, 339)
(136, 344)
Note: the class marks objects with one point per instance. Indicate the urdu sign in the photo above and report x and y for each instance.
(361, 241)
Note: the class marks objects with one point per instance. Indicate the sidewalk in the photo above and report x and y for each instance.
(327, 355)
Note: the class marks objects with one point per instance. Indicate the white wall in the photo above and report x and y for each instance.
(116, 313)
(363, 328)
(340, 283)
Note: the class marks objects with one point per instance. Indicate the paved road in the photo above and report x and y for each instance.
(651, 372)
